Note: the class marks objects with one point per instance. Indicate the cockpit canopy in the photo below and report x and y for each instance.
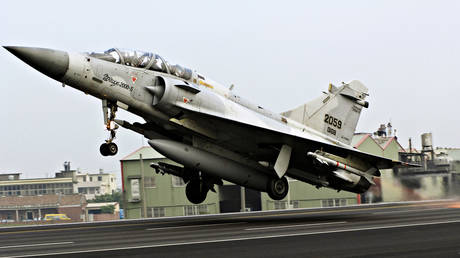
(144, 60)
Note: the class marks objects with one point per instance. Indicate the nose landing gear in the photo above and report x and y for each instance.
(109, 148)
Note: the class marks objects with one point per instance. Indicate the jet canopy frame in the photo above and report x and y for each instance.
(145, 60)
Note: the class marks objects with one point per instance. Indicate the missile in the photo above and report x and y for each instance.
(163, 168)
(212, 164)
(342, 169)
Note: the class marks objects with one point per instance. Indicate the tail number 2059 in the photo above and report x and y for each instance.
(328, 119)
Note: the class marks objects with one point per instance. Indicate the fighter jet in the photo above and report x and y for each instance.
(212, 132)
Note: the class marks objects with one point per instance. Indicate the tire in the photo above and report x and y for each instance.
(196, 192)
(104, 149)
(112, 149)
(278, 188)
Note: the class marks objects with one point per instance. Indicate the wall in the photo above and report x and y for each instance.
(74, 213)
(308, 196)
(172, 199)
(106, 216)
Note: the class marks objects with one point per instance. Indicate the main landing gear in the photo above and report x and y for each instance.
(109, 148)
(278, 188)
(196, 191)
(199, 185)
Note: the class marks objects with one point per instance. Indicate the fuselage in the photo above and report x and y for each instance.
(169, 97)
(124, 84)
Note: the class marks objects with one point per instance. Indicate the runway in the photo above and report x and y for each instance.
(411, 229)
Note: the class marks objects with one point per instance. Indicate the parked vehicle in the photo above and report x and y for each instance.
(51, 217)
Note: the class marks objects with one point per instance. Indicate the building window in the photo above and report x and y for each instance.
(84, 178)
(189, 210)
(155, 212)
(280, 205)
(203, 209)
(111, 179)
(149, 181)
(91, 179)
(333, 202)
(177, 181)
(295, 204)
(99, 178)
(159, 212)
(195, 209)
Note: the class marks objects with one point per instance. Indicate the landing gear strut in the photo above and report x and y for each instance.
(109, 148)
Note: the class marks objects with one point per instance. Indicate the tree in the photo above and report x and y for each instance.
(108, 209)
(115, 197)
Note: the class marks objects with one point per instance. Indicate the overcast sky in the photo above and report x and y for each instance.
(279, 54)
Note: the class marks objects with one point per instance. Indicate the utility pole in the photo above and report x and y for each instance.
(243, 198)
(144, 203)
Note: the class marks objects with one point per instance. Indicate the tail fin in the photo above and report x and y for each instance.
(336, 113)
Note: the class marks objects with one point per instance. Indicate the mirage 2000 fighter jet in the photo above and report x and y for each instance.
(214, 134)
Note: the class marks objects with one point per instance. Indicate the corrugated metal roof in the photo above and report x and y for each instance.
(147, 153)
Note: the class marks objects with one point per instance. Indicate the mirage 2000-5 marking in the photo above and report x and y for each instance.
(114, 82)
(220, 136)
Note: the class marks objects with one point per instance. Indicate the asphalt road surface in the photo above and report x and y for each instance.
(411, 229)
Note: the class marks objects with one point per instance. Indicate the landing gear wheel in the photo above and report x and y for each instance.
(104, 149)
(196, 191)
(112, 149)
(108, 149)
(278, 188)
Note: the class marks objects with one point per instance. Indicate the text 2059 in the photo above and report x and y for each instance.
(332, 121)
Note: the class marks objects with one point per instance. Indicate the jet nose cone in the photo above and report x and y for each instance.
(53, 63)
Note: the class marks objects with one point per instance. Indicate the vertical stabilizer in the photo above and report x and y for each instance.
(336, 113)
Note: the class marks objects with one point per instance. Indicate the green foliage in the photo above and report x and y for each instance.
(115, 197)
(108, 209)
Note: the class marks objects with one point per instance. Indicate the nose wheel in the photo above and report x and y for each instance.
(109, 148)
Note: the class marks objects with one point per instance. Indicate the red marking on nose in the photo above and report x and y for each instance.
(133, 79)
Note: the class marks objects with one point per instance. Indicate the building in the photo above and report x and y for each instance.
(453, 155)
(33, 208)
(92, 185)
(164, 195)
(95, 211)
(386, 187)
(12, 185)
(436, 178)
(89, 184)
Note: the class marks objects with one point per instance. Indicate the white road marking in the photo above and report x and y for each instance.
(30, 245)
(408, 211)
(296, 225)
(197, 226)
(241, 239)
